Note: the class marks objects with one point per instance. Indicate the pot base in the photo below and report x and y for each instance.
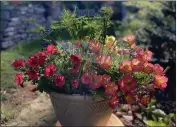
(113, 121)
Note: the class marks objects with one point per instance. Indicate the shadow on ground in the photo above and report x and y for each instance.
(38, 112)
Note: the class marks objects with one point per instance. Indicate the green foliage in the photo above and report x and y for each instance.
(156, 116)
(155, 123)
(77, 28)
(143, 78)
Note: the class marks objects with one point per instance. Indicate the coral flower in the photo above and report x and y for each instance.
(49, 70)
(19, 78)
(75, 83)
(59, 80)
(127, 83)
(130, 98)
(129, 38)
(86, 78)
(32, 74)
(136, 65)
(51, 49)
(111, 88)
(158, 70)
(126, 67)
(148, 68)
(145, 100)
(18, 63)
(147, 55)
(94, 46)
(113, 102)
(139, 52)
(160, 82)
(104, 61)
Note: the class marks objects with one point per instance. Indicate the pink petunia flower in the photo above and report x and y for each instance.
(158, 70)
(104, 61)
(148, 68)
(126, 67)
(160, 82)
(127, 83)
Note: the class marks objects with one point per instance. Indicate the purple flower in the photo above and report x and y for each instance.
(45, 44)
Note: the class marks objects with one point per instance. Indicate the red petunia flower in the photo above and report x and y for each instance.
(33, 61)
(145, 100)
(18, 63)
(104, 61)
(126, 67)
(51, 49)
(148, 68)
(113, 102)
(160, 82)
(158, 70)
(95, 82)
(86, 78)
(127, 83)
(136, 64)
(32, 74)
(59, 80)
(19, 78)
(94, 46)
(49, 70)
(105, 79)
(111, 88)
(42, 57)
(130, 98)
(75, 83)
(76, 59)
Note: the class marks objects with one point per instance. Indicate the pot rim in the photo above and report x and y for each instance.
(76, 97)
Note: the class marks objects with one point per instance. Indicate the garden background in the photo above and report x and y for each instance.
(153, 23)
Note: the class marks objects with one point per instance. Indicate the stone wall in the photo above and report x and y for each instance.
(15, 26)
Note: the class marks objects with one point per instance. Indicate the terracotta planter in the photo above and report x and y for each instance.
(76, 110)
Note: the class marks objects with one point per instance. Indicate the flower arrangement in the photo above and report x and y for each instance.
(97, 65)
(93, 68)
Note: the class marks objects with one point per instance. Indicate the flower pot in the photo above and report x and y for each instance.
(77, 110)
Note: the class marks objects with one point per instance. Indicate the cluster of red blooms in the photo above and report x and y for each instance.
(126, 84)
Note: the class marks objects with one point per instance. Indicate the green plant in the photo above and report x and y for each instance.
(156, 116)
(94, 64)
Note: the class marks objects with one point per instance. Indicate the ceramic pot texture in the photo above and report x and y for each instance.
(77, 110)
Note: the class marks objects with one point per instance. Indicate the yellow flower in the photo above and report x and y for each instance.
(110, 39)
(110, 42)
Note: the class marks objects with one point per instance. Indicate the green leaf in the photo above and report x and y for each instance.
(159, 112)
(154, 123)
(43, 84)
(172, 115)
(154, 118)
